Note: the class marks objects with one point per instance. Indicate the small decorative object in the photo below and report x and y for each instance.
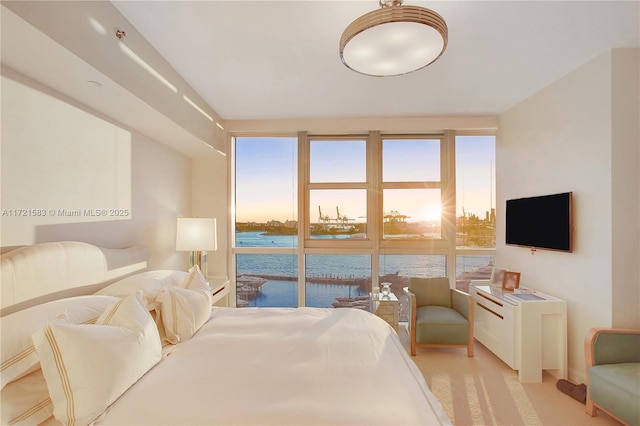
(386, 289)
(497, 276)
(511, 281)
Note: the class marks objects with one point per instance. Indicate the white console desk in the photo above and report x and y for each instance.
(528, 332)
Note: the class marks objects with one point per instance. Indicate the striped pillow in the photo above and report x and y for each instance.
(183, 312)
(17, 354)
(87, 367)
(186, 308)
(26, 401)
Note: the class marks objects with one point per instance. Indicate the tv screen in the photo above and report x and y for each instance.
(542, 222)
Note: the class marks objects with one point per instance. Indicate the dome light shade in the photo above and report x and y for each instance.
(393, 40)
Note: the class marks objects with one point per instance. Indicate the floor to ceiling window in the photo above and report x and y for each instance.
(266, 211)
(336, 189)
(321, 220)
(475, 207)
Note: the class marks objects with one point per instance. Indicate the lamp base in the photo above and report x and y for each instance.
(199, 258)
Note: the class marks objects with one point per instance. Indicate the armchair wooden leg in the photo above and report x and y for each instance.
(412, 340)
(470, 350)
(589, 408)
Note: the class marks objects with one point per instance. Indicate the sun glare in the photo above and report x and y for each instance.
(432, 213)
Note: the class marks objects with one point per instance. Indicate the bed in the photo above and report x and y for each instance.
(150, 349)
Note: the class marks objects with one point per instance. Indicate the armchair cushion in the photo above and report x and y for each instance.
(612, 356)
(441, 325)
(616, 387)
(460, 302)
(438, 292)
(611, 348)
(439, 316)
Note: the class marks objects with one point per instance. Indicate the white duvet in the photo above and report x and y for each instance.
(298, 366)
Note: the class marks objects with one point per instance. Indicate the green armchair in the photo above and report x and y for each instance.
(612, 356)
(439, 316)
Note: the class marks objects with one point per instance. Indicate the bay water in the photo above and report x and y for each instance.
(278, 292)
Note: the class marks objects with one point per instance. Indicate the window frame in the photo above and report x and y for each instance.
(375, 244)
(444, 185)
(306, 186)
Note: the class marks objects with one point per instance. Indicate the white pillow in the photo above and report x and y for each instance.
(17, 353)
(87, 367)
(26, 401)
(150, 281)
(183, 312)
(186, 308)
(195, 279)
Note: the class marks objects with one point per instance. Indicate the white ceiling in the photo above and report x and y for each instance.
(279, 59)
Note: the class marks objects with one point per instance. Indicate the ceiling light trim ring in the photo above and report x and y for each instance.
(394, 14)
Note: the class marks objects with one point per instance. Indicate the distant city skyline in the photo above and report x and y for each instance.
(266, 180)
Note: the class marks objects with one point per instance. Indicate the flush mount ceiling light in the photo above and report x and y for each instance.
(393, 40)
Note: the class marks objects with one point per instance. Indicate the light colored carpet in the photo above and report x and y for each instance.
(483, 390)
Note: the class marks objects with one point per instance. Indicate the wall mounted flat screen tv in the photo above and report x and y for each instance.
(542, 222)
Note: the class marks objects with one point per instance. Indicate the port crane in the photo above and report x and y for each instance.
(393, 216)
(323, 217)
(341, 219)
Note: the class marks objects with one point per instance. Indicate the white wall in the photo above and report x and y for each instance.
(564, 138)
(90, 159)
(79, 45)
(160, 181)
(625, 137)
(211, 199)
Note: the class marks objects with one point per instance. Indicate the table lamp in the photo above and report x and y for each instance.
(197, 235)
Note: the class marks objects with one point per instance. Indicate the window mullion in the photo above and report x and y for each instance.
(374, 207)
(448, 179)
(303, 209)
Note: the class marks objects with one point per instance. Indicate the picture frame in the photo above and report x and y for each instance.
(510, 281)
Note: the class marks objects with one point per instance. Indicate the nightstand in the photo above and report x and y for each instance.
(219, 291)
(387, 308)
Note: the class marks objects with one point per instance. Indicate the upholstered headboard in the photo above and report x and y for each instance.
(33, 272)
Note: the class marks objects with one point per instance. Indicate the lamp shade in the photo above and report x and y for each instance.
(196, 234)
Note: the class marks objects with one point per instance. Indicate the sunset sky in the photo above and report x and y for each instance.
(266, 177)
